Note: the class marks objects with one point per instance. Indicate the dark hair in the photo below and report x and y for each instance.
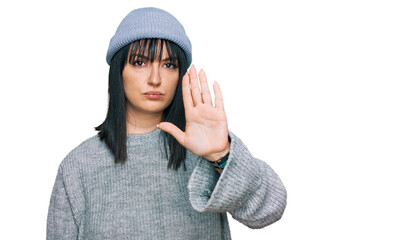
(113, 130)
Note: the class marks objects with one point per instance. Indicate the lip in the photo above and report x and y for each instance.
(153, 94)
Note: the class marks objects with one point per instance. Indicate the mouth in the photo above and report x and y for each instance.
(153, 95)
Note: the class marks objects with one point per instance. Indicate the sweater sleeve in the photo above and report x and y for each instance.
(61, 223)
(248, 188)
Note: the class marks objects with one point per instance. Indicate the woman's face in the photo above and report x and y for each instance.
(150, 86)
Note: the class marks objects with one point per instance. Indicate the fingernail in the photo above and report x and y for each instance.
(158, 125)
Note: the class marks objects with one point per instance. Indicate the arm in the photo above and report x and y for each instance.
(61, 223)
(247, 188)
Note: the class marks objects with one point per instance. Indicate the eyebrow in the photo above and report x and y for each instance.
(139, 56)
(147, 58)
(170, 59)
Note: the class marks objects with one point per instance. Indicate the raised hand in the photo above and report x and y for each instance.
(206, 132)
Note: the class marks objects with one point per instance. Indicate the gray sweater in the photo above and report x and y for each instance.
(94, 198)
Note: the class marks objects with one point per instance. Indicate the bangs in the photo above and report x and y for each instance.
(152, 49)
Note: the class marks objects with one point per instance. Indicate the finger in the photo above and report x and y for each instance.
(205, 88)
(187, 98)
(218, 96)
(173, 130)
(195, 86)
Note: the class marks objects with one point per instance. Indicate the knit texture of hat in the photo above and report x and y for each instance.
(149, 23)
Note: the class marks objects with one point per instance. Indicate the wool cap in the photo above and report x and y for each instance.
(149, 23)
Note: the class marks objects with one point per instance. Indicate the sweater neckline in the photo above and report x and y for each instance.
(140, 138)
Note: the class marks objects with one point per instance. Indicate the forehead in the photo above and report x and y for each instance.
(153, 49)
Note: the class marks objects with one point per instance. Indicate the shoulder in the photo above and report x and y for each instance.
(90, 151)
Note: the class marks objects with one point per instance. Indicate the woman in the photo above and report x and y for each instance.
(127, 181)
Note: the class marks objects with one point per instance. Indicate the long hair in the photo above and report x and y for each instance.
(114, 130)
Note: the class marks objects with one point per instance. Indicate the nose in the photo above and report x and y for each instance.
(154, 78)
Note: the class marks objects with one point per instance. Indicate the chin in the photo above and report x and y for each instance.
(154, 109)
(150, 107)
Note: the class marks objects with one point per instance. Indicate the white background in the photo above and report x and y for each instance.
(323, 91)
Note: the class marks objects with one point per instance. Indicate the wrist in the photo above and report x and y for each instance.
(218, 156)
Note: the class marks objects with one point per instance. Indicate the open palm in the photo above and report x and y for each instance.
(206, 132)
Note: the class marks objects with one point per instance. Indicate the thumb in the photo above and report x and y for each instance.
(173, 130)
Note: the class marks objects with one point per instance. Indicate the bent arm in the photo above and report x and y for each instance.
(248, 188)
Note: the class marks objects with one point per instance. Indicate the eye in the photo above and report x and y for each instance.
(138, 63)
(171, 65)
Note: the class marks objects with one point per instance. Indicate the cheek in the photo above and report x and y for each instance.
(133, 79)
(173, 85)
(131, 87)
(128, 86)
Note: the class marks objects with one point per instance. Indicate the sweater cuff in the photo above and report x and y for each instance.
(210, 191)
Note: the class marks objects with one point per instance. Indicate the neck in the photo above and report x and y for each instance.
(141, 122)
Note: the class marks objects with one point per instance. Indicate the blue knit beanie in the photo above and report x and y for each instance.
(149, 23)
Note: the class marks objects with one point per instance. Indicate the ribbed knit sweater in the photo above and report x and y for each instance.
(94, 198)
